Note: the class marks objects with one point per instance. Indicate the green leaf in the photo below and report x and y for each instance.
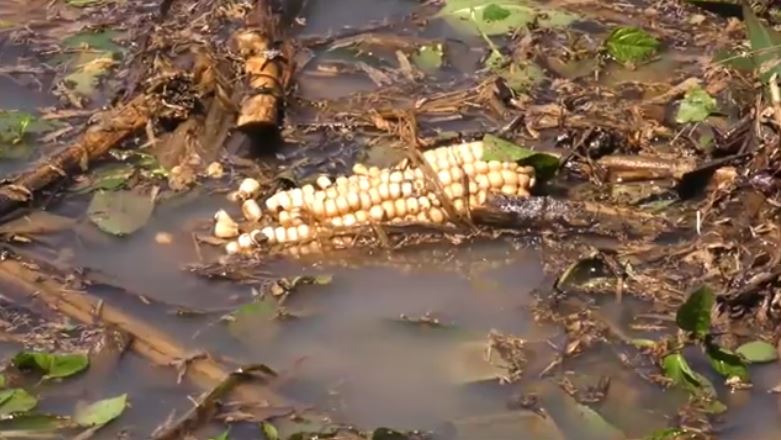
(765, 45)
(520, 76)
(757, 352)
(100, 412)
(495, 148)
(120, 212)
(3, 381)
(595, 424)
(665, 434)
(110, 178)
(694, 314)
(270, 431)
(643, 343)
(52, 365)
(91, 56)
(696, 106)
(631, 45)
(494, 12)
(222, 436)
(500, 16)
(429, 58)
(725, 362)
(15, 401)
(676, 368)
(32, 423)
(17, 129)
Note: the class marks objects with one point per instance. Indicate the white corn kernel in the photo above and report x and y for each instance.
(457, 189)
(292, 234)
(422, 217)
(360, 168)
(477, 149)
(442, 163)
(232, 248)
(436, 215)
(318, 208)
(364, 184)
(341, 205)
(224, 226)
(424, 203)
(308, 189)
(459, 205)
(481, 167)
(510, 178)
(361, 217)
(249, 188)
(494, 165)
(456, 174)
(353, 200)
(284, 200)
(272, 204)
(323, 181)
(401, 207)
(279, 234)
(412, 205)
(384, 191)
(364, 201)
(510, 190)
(296, 197)
(337, 222)
(469, 169)
(251, 210)
(376, 213)
(348, 220)
(389, 208)
(342, 181)
(482, 181)
(444, 176)
(396, 176)
(332, 192)
(409, 174)
(268, 232)
(375, 196)
(245, 241)
(374, 172)
(304, 232)
(330, 208)
(522, 192)
(495, 178)
(394, 190)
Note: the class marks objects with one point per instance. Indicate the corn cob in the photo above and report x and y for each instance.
(373, 195)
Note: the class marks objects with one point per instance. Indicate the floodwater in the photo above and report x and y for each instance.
(350, 351)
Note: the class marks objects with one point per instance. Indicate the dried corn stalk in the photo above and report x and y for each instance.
(305, 216)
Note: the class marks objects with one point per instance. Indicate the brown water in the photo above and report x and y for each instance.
(350, 352)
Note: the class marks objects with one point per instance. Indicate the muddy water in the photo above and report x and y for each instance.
(350, 351)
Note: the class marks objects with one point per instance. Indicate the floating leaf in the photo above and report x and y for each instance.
(676, 368)
(500, 16)
(222, 436)
(95, 54)
(595, 424)
(270, 431)
(16, 129)
(100, 412)
(15, 401)
(725, 362)
(120, 212)
(32, 423)
(52, 365)
(631, 45)
(520, 76)
(757, 352)
(494, 12)
(111, 177)
(429, 58)
(696, 106)
(545, 165)
(508, 425)
(765, 45)
(3, 381)
(643, 343)
(665, 434)
(694, 314)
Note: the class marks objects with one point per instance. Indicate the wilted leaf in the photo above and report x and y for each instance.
(52, 365)
(694, 314)
(100, 412)
(726, 363)
(631, 45)
(765, 45)
(16, 400)
(468, 364)
(520, 76)
(545, 165)
(429, 58)
(696, 106)
(676, 368)
(95, 54)
(757, 352)
(500, 16)
(120, 212)
(382, 155)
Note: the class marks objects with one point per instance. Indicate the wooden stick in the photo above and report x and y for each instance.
(114, 127)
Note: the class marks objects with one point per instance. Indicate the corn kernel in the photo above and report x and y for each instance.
(376, 213)
(323, 181)
(280, 235)
(251, 210)
(495, 178)
(401, 207)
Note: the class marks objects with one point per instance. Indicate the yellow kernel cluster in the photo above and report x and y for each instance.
(373, 195)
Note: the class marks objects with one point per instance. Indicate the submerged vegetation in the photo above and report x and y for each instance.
(631, 147)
